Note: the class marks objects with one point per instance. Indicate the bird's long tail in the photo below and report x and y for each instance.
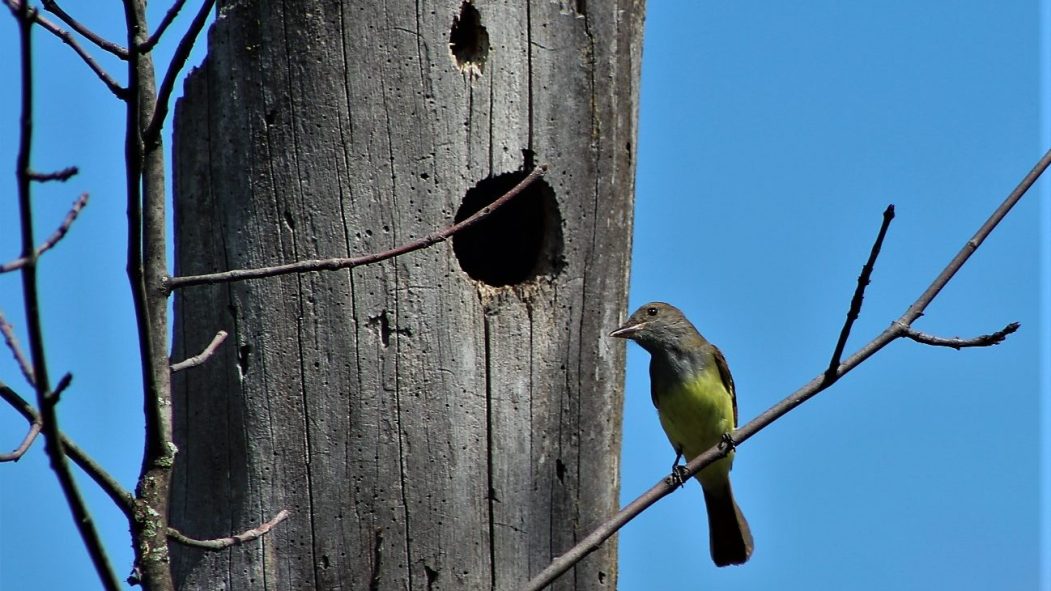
(730, 538)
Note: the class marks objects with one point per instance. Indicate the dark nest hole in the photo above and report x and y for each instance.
(517, 242)
(469, 41)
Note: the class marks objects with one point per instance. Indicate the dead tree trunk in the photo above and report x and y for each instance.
(449, 419)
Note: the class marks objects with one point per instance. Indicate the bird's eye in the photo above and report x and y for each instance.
(652, 311)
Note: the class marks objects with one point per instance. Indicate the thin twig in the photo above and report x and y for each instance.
(333, 264)
(118, 90)
(52, 240)
(917, 308)
(121, 498)
(182, 53)
(27, 441)
(896, 330)
(31, 302)
(63, 383)
(59, 175)
(87, 33)
(203, 355)
(16, 349)
(220, 543)
(859, 292)
(169, 16)
(958, 343)
(71, 216)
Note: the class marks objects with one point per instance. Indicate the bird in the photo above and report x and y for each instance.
(693, 391)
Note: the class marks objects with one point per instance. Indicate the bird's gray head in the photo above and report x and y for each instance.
(659, 327)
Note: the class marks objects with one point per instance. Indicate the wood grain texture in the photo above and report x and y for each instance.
(426, 430)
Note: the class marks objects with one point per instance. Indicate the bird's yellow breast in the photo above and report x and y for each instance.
(696, 413)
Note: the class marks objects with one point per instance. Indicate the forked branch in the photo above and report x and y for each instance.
(169, 16)
(45, 396)
(105, 44)
(182, 53)
(898, 329)
(121, 497)
(67, 38)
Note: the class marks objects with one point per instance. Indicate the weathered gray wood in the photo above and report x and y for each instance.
(427, 431)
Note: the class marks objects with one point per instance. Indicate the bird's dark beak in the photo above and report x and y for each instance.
(628, 330)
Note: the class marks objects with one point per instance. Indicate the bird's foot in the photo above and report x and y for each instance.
(727, 442)
(677, 476)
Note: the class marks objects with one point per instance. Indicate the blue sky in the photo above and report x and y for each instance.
(772, 136)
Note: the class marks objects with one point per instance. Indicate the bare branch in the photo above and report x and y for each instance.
(27, 441)
(31, 302)
(35, 421)
(182, 53)
(203, 355)
(896, 330)
(859, 291)
(118, 90)
(334, 264)
(169, 16)
(917, 308)
(59, 175)
(985, 340)
(220, 543)
(12, 343)
(122, 498)
(147, 269)
(87, 33)
(53, 239)
(71, 216)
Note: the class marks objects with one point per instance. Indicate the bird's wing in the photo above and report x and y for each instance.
(728, 380)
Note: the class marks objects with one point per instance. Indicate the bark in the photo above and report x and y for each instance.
(449, 419)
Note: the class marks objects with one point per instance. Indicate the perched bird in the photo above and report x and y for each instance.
(694, 394)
